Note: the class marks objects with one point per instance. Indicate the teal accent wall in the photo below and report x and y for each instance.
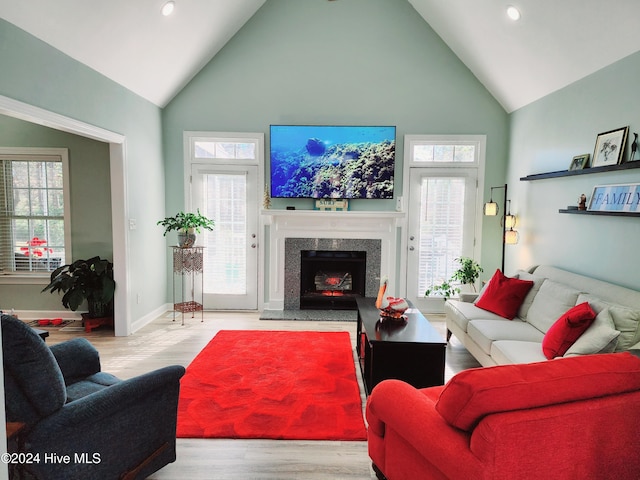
(89, 178)
(545, 136)
(355, 62)
(37, 74)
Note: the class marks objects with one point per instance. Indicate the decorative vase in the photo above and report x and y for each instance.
(186, 239)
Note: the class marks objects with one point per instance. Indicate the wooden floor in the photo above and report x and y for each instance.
(164, 342)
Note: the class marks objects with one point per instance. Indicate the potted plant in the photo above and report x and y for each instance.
(90, 280)
(467, 274)
(186, 224)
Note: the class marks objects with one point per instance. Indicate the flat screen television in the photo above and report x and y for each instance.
(309, 161)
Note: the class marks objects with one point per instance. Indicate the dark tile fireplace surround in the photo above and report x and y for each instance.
(347, 267)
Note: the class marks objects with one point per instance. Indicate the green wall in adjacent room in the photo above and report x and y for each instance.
(545, 136)
(356, 62)
(91, 232)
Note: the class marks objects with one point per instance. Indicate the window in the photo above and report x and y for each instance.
(441, 228)
(439, 153)
(223, 150)
(444, 176)
(34, 210)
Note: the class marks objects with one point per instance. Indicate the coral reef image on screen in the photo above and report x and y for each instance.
(332, 161)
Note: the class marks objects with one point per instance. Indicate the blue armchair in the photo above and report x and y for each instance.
(79, 422)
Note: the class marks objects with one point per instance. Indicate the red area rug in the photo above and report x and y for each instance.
(272, 384)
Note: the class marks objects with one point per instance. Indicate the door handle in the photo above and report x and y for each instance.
(411, 248)
(253, 245)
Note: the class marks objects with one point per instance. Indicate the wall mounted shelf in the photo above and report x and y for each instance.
(585, 171)
(589, 212)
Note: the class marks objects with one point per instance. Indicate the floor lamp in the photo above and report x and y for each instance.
(491, 209)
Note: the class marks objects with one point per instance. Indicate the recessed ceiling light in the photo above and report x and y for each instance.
(513, 13)
(167, 8)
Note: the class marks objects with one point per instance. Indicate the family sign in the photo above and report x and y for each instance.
(616, 198)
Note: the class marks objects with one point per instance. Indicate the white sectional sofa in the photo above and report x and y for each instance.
(494, 340)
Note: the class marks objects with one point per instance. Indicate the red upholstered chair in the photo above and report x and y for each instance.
(569, 418)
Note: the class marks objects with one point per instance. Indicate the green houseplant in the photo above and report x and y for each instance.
(186, 224)
(90, 280)
(466, 274)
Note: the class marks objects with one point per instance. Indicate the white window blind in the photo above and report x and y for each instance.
(225, 258)
(441, 228)
(33, 195)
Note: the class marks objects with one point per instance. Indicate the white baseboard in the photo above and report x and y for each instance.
(150, 317)
(273, 305)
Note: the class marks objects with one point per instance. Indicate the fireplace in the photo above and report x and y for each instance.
(331, 279)
(292, 263)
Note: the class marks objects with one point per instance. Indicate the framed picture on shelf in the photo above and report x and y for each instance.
(616, 198)
(610, 147)
(579, 162)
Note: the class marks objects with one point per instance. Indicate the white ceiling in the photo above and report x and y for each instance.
(130, 42)
(555, 43)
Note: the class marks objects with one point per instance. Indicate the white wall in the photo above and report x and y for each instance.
(545, 136)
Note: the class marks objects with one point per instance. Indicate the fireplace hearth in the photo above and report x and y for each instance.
(331, 279)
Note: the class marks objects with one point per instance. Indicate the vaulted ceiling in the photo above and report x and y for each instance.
(555, 43)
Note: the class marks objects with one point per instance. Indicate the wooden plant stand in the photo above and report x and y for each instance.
(91, 323)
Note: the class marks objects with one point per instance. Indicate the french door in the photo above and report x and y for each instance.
(228, 195)
(443, 217)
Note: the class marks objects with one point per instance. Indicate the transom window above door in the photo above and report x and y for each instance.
(431, 152)
(224, 150)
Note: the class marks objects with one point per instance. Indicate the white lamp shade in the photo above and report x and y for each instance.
(491, 209)
(510, 221)
(511, 237)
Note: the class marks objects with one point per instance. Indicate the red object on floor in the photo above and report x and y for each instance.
(272, 384)
(91, 323)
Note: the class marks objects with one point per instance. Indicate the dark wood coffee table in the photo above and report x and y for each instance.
(412, 351)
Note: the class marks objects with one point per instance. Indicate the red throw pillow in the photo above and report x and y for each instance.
(567, 329)
(503, 296)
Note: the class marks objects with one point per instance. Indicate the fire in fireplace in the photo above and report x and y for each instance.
(331, 279)
(333, 284)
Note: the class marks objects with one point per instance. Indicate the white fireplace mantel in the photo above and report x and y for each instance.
(283, 224)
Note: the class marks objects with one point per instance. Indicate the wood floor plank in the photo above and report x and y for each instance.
(164, 342)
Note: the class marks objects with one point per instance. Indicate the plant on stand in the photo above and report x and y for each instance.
(186, 224)
(467, 274)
